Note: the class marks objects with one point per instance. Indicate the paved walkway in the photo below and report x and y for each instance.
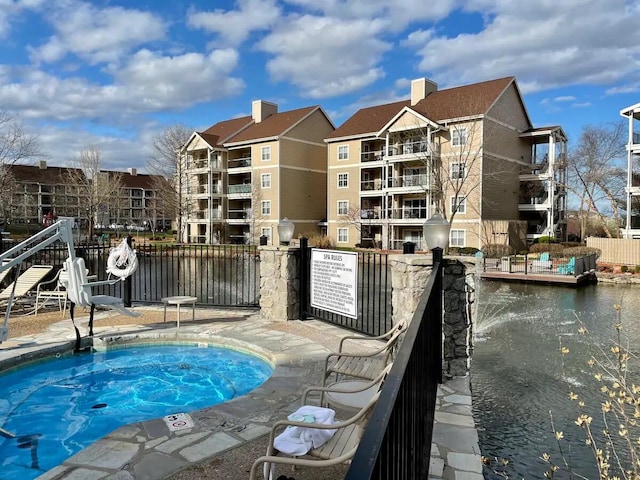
(151, 450)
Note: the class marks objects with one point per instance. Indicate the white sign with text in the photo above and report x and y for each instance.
(334, 281)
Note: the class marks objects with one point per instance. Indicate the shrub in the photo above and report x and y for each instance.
(547, 240)
(320, 241)
(554, 249)
(493, 250)
(468, 251)
(572, 244)
(624, 269)
(581, 251)
(636, 269)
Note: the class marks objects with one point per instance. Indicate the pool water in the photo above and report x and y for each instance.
(58, 407)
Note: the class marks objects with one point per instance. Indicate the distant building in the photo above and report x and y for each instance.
(246, 174)
(632, 227)
(472, 149)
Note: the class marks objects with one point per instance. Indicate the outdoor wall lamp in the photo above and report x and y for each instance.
(436, 235)
(285, 231)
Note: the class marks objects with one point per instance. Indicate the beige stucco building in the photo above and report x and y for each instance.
(246, 174)
(470, 153)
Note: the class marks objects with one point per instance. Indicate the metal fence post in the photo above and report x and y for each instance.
(126, 293)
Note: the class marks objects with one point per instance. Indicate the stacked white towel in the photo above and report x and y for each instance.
(299, 440)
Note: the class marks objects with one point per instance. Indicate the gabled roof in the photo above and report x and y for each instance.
(439, 106)
(34, 174)
(272, 126)
(221, 132)
(139, 180)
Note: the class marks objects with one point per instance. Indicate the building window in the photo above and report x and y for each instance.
(266, 207)
(343, 152)
(265, 180)
(266, 154)
(266, 232)
(457, 238)
(343, 235)
(460, 202)
(458, 170)
(343, 180)
(343, 207)
(458, 137)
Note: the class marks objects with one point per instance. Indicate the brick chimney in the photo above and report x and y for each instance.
(132, 171)
(420, 88)
(42, 165)
(261, 109)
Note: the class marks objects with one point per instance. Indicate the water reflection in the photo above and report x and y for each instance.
(518, 377)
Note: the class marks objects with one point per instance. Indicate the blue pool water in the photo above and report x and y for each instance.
(58, 407)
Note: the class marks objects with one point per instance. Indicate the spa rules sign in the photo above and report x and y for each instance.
(334, 281)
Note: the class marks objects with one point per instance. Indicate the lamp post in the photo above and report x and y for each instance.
(436, 235)
(285, 231)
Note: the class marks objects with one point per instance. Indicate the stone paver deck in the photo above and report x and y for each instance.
(149, 450)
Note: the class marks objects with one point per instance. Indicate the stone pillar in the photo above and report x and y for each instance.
(409, 275)
(279, 283)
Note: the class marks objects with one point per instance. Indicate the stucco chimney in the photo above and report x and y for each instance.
(132, 171)
(261, 110)
(42, 165)
(420, 88)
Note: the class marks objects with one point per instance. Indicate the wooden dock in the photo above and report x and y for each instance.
(549, 278)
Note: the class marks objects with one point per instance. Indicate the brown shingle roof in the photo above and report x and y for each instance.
(140, 180)
(273, 125)
(221, 131)
(441, 105)
(35, 174)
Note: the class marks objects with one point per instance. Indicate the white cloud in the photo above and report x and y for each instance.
(565, 98)
(234, 26)
(622, 89)
(10, 9)
(148, 82)
(324, 56)
(543, 43)
(97, 35)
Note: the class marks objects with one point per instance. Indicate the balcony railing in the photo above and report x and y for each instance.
(240, 162)
(204, 189)
(420, 147)
(372, 156)
(238, 215)
(409, 181)
(371, 185)
(241, 188)
(635, 138)
(524, 200)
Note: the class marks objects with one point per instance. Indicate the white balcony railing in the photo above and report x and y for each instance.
(241, 188)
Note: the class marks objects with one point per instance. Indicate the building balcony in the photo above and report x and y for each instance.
(410, 182)
(241, 188)
(376, 156)
(528, 204)
(420, 149)
(205, 216)
(243, 162)
(371, 185)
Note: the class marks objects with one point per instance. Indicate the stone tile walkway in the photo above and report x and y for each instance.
(150, 450)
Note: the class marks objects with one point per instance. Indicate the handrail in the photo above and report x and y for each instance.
(397, 440)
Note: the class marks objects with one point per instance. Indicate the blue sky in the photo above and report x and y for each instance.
(112, 74)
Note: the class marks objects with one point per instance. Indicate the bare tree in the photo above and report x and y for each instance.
(16, 145)
(97, 190)
(168, 161)
(596, 174)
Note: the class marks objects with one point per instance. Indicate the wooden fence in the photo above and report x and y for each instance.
(617, 250)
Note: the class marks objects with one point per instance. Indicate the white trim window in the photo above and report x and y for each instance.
(343, 235)
(343, 152)
(265, 153)
(458, 136)
(266, 232)
(461, 202)
(265, 207)
(343, 180)
(265, 180)
(457, 238)
(458, 171)
(343, 207)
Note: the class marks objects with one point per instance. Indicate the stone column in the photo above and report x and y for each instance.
(279, 283)
(409, 275)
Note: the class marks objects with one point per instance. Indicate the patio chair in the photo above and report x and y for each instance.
(543, 262)
(44, 292)
(79, 292)
(568, 268)
(361, 365)
(25, 283)
(340, 448)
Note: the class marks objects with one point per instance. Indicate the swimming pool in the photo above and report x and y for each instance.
(56, 408)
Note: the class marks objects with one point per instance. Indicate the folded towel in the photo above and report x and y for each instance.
(299, 440)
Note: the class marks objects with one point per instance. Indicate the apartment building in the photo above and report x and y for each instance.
(470, 153)
(244, 175)
(40, 193)
(632, 226)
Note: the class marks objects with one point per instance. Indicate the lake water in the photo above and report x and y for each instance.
(518, 376)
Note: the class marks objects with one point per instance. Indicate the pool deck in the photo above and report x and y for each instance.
(154, 449)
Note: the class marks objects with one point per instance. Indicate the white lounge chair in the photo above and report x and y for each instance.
(44, 293)
(25, 283)
(79, 292)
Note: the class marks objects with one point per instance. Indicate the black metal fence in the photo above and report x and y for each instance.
(536, 265)
(374, 294)
(218, 275)
(396, 444)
